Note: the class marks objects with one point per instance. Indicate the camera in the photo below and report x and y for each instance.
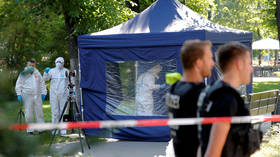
(71, 84)
(72, 74)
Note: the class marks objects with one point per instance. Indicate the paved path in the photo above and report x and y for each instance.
(265, 79)
(112, 148)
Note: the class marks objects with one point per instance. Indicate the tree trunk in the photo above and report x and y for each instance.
(277, 14)
(73, 54)
(276, 58)
(209, 12)
(260, 59)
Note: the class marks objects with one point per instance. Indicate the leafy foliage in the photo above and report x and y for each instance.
(256, 16)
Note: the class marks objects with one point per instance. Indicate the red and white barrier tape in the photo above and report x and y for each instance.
(146, 122)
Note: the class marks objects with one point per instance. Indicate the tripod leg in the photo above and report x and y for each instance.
(79, 130)
(20, 116)
(60, 118)
(20, 119)
(83, 130)
(75, 118)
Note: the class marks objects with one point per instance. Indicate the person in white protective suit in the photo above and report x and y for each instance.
(145, 85)
(31, 89)
(58, 89)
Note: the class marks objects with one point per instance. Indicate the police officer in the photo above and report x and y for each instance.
(234, 61)
(196, 58)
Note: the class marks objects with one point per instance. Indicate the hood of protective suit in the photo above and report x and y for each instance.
(59, 62)
(155, 70)
(59, 59)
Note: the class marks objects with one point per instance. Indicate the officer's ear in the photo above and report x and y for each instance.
(198, 64)
(239, 62)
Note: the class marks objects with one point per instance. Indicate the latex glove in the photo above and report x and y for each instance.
(47, 70)
(43, 96)
(162, 86)
(19, 98)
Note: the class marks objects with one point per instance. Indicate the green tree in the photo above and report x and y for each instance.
(81, 17)
(25, 35)
(200, 6)
(46, 29)
(277, 14)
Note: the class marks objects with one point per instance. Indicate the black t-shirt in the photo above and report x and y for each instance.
(183, 97)
(226, 102)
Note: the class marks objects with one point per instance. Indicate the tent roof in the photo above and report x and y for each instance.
(164, 23)
(166, 16)
(268, 44)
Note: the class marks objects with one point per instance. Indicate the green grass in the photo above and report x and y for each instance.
(126, 107)
(47, 112)
(264, 86)
(12, 108)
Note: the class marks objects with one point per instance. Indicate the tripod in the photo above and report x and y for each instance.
(20, 115)
(73, 115)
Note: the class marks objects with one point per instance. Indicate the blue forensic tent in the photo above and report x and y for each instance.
(110, 61)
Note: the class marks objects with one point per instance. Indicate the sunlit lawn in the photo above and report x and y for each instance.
(12, 108)
(263, 86)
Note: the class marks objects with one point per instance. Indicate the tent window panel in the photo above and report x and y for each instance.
(137, 87)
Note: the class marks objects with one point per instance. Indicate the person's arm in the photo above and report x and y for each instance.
(47, 75)
(149, 82)
(19, 85)
(42, 85)
(217, 139)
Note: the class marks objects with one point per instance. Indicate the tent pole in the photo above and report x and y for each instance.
(81, 90)
(276, 58)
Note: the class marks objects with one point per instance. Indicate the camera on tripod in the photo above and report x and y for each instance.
(73, 114)
(71, 85)
(73, 110)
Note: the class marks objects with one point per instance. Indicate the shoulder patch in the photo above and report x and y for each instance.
(172, 100)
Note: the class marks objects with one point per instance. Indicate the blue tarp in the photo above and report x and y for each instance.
(155, 34)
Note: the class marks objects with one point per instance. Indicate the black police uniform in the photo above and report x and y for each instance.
(182, 103)
(224, 101)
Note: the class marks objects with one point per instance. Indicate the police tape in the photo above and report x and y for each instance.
(146, 122)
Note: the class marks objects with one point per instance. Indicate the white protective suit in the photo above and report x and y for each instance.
(30, 87)
(145, 85)
(58, 89)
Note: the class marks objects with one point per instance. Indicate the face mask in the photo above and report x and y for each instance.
(59, 65)
(28, 70)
